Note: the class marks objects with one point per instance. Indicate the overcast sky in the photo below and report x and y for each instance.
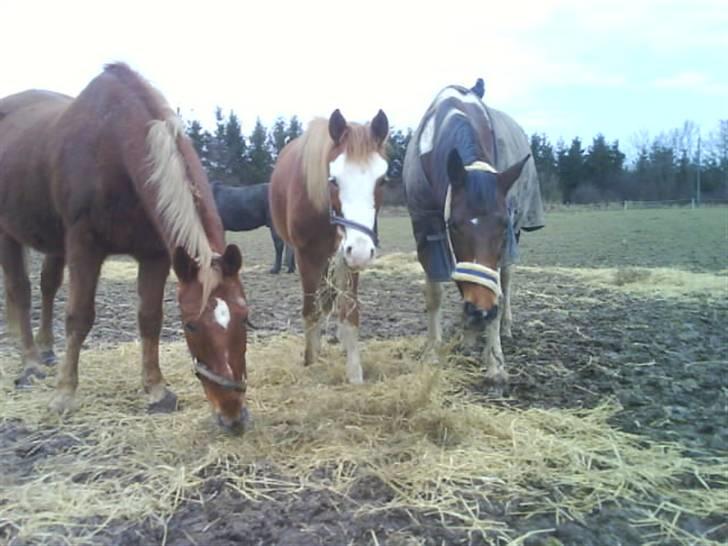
(563, 67)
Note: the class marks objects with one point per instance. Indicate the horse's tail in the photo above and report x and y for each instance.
(316, 145)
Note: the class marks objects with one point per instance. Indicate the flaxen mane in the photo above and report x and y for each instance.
(176, 192)
(316, 146)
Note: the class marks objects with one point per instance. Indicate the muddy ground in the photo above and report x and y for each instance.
(574, 344)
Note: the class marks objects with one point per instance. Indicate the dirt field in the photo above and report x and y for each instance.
(623, 308)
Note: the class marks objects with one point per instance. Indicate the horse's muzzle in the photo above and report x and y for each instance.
(236, 426)
(477, 319)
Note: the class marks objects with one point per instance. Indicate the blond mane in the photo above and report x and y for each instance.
(176, 193)
(316, 145)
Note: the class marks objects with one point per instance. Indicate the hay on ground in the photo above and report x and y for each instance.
(412, 425)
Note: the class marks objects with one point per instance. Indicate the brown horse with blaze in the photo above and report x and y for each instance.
(325, 193)
(112, 172)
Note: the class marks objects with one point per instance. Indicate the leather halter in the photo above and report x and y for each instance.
(339, 220)
(202, 371)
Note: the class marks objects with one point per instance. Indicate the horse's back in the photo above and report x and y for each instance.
(512, 145)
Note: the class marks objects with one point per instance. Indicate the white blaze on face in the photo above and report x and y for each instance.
(222, 313)
(356, 183)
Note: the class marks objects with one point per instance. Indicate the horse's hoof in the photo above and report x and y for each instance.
(29, 376)
(497, 384)
(167, 404)
(291, 271)
(62, 402)
(48, 358)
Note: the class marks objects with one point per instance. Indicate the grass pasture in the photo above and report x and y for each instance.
(614, 431)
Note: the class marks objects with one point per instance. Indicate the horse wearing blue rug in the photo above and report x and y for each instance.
(245, 208)
(471, 187)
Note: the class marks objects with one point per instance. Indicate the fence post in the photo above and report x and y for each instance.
(625, 205)
(692, 203)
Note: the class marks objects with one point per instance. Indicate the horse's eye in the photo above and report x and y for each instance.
(191, 326)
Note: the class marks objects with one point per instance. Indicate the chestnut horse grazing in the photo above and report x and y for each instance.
(111, 172)
(324, 195)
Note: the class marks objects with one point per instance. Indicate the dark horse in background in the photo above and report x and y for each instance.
(112, 172)
(325, 193)
(470, 187)
(245, 208)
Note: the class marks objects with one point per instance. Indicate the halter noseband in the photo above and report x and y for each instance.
(201, 370)
(339, 220)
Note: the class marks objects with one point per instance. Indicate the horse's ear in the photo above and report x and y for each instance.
(184, 267)
(232, 261)
(455, 169)
(380, 127)
(337, 126)
(511, 174)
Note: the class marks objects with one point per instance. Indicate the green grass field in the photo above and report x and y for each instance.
(695, 240)
(688, 239)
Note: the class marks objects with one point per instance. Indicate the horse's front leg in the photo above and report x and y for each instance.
(494, 360)
(311, 268)
(506, 278)
(51, 278)
(347, 284)
(84, 267)
(151, 279)
(433, 304)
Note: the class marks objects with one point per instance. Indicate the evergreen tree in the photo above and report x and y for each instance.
(259, 156)
(278, 137)
(571, 168)
(396, 148)
(236, 168)
(546, 167)
(216, 149)
(200, 140)
(295, 129)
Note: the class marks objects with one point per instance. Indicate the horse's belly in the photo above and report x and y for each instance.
(31, 222)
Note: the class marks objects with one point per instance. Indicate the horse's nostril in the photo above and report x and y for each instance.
(371, 253)
(348, 250)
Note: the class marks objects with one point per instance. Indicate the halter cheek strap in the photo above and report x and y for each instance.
(470, 271)
(339, 220)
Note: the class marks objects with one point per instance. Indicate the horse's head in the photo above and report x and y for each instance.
(214, 314)
(478, 222)
(357, 166)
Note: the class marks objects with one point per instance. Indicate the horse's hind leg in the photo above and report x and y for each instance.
(150, 286)
(347, 284)
(51, 278)
(84, 267)
(290, 259)
(278, 246)
(17, 294)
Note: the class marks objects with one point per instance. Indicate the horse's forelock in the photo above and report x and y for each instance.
(360, 143)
